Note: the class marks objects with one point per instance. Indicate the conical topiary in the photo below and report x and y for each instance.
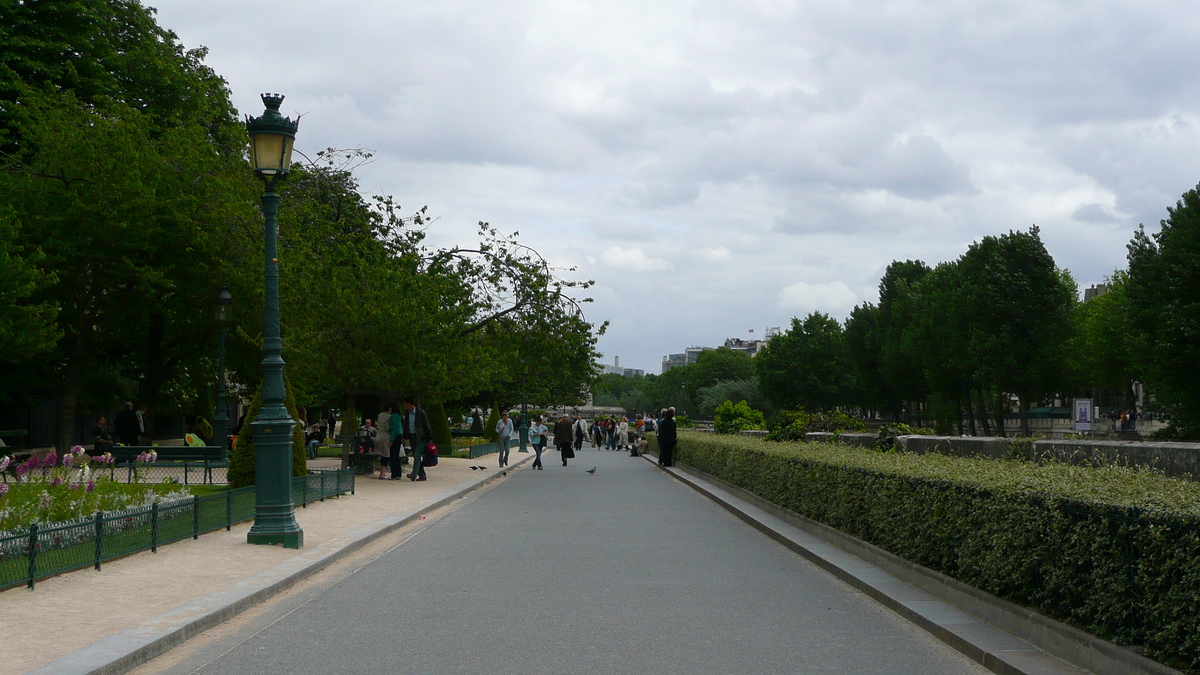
(243, 462)
(476, 423)
(489, 427)
(438, 425)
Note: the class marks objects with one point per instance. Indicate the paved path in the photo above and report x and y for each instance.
(558, 571)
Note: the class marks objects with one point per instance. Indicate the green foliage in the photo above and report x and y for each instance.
(299, 454)
(684, 422)
(438, 424)
(242, 460)
(489, 427)
(807, 366)
(1107, 549)
(889, 432)
(1164, 304)
(708, 398)
(792, 425)
(731, 418)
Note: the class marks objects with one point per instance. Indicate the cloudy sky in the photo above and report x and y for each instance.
(722, 166)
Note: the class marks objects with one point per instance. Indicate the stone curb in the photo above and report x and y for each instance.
(121, 652)
(999, 635)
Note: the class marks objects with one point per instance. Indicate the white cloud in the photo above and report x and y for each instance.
(834, 298)
(633, 258)
(739, 146)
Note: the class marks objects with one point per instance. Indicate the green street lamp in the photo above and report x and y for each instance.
(221, 416)
(271, 139)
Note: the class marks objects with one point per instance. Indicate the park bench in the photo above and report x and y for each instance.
(12, 440)
(207, 457)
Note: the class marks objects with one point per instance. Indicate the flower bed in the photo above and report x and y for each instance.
(1110, 550)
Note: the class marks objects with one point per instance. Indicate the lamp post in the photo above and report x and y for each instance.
(221, 416)
(523, 431)
(271, 139)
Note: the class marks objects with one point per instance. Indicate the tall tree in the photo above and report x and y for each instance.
(807, 366)
(1164, 301)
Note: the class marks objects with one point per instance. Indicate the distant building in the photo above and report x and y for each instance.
(691, 354)
(1095, 291)
(616, 369)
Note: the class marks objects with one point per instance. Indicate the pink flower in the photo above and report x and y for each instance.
(91, 486)
(32, 462)
(56, 480)
(22, 468)
(68, 460)
(5, 461)
(51, 460)
(46, 500)
(3, 489)
(73, 486)
(77, 450)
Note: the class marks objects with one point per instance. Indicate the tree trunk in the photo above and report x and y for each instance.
(1025, 415)
(68, 406)
(987, 430)
(958, 412)
(971, 411)
(1000, 406)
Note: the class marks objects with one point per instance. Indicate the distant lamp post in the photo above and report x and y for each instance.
(523, 431)
(221, 416)
(271, 139)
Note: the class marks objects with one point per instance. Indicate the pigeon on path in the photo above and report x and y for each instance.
(592, 471)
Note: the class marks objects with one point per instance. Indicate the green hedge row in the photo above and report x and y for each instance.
(1109, 550)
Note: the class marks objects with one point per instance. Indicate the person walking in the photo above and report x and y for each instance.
(395, 433)
(623, 434)
(383, 440)
(596, 434)
(610, 433)
(537, 435)
(418, 433)
(667, 437)
(580, 430)
(563, 438)
(504, 432)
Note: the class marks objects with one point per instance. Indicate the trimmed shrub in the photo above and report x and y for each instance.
(243, 460)
(489, 427)
(1107, 549)
(438, 424)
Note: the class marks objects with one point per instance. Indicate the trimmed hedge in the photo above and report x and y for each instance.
(1109, 550)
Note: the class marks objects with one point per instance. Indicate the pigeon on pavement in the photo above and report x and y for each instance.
(592, 470)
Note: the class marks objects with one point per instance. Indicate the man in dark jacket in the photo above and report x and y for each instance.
(667, 436)
(126, 425)
(564, 438)
(418, 433)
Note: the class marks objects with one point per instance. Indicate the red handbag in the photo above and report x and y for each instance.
(430, 458)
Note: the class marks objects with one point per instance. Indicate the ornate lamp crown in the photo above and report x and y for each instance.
(271, 139)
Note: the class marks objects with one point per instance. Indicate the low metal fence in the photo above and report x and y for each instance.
(49, 549)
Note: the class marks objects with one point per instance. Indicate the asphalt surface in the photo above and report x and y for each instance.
(623, 571)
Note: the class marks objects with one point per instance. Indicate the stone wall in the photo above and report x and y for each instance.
(1174, 459)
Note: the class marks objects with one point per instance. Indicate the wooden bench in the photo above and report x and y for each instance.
(12, 439)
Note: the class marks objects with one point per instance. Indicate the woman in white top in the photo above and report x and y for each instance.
(623, 434)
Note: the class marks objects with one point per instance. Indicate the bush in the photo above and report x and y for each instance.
(792, 425)
(889, 432)
(243, 462)
(489, 427)
(438, 424)
(730, 418)
(1108, 549)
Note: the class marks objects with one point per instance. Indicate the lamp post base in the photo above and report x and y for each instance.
(286, 539)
